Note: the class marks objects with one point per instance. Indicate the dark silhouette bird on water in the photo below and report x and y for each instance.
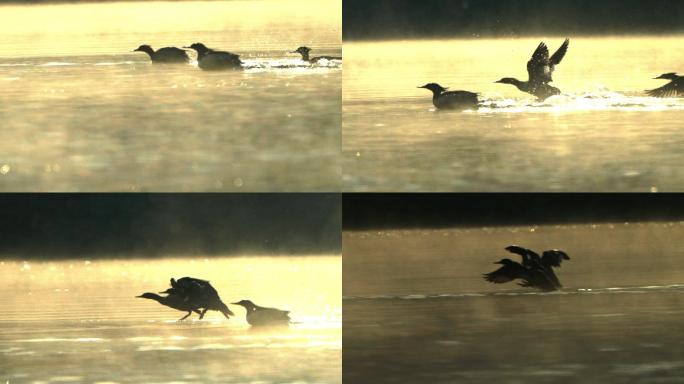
(304, 51)
(262, 316)
(164, 55)
(540, 72)
(199, 294)
(675, 88)
(210, 59)
(452, 99)
(174, 301)
(535, 271)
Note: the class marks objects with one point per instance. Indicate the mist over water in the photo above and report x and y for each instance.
(81, 112)
(601, 134)
(79, 321)
(617, 318)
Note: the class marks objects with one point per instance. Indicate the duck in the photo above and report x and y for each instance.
(304, 51)
(451, 100)
(164, 55)
(535, 271)
(210, 59)
(540, 71)
(173, 301)
(199, 294)
(262, 316)
(675, 88)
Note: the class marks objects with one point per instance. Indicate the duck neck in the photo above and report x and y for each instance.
(149, 51)
(521, 85)
(155, 297)
(305, 56)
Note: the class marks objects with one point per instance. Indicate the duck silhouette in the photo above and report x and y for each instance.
(535, 271)
(262, 316)
(165, 55)
(451, 99)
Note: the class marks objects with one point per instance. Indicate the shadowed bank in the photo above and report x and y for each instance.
(387, 19)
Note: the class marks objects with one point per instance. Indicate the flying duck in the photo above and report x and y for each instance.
(540, 71)
(209, 59)
(452, 99)
(164, 55)
(534, 271)
(675, 88)
(261, 316)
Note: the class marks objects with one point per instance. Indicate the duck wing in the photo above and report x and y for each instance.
(529, 257)
(671, 89)
(553, 258)
(560, 54)
(538, 68)
(506, 273)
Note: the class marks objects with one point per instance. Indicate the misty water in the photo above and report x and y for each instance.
(81, 112)
(416, 308)
(79, 321)
(601, 134)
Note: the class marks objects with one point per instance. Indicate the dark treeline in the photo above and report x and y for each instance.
(123, 225)
(387, 19)
(385, 211)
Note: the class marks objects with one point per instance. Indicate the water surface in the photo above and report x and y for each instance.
(601, 134)
(416, 308)
(79, 321)
(81, 112)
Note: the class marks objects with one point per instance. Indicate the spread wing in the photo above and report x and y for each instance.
(529, 256)
(538, 67)
(560, 53)
(506, 273)
(553, 258)
(668, 90)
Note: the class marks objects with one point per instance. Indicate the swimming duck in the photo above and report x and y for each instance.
(261, 316)
(534, 271)
(164, 55)
(451, 100)
(199, 294)
(209, 59)
(540, 71)
(173, 301)
(675, 88)
(304, 51)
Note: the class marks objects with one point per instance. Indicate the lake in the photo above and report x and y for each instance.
(416, 308)
(601, 134)
(81, 112)
(74, 321)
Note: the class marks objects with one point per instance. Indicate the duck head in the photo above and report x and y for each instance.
(199, 47)
(434, 87)
(507, 80)
(144, 48)
(249, 306)
(302, 50)
(150, 295)
(668, 76)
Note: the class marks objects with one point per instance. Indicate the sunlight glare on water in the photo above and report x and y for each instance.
(601, 134)
(79, 320)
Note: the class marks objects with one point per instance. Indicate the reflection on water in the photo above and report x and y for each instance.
(617, 320)
(79, 321)
(81, 112)
(601, 134)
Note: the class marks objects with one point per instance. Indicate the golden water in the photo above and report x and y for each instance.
(601, 134)
(417, 309)
(81, 112)
(79, 321)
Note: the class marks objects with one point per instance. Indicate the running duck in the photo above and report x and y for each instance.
(675, 88)
(261, 316)
(209, 59)
(199, 294)
(164, 55)
(534, 271)
(451, 100)
(540, 71)
(304, 51)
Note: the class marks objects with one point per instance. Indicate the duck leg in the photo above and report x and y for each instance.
(186, 316)
(203, 312)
